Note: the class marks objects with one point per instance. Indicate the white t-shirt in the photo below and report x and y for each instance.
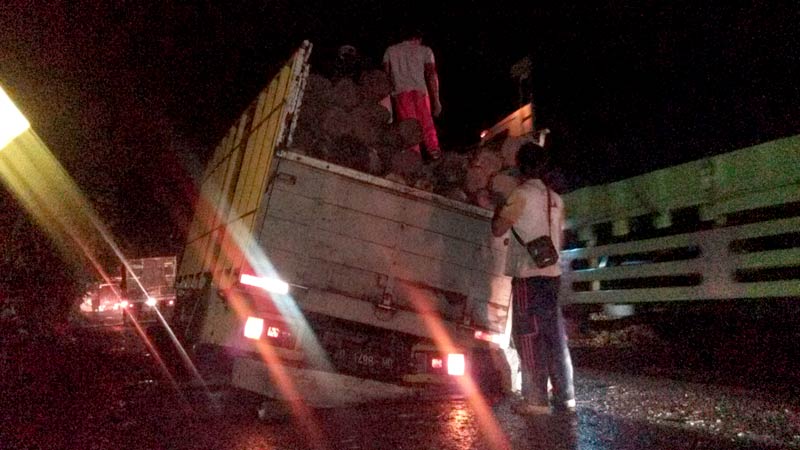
(526, 208)
(407, 63)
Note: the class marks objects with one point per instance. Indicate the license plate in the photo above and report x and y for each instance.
(373, 360)
(365, 360)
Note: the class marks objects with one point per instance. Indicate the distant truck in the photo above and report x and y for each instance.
(102, 297)
(143, 279)
(305, 280)
(148, 282)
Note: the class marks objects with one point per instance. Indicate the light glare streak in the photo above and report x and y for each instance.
(272, 285)
(444, 342)
(52, 198)
(160, 362)
(12, 122)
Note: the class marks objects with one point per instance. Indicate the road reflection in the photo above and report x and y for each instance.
(101, 387)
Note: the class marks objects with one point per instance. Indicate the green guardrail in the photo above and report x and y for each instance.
(755, 177)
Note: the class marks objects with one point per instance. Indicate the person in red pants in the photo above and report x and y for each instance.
(415, 87)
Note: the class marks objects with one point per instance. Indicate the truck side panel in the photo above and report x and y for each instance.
(236, 178)
(385, 280)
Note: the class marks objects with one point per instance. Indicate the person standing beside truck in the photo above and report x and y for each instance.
(415, 87)
(531, 210)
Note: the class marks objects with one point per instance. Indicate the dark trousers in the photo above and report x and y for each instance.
(541, 340)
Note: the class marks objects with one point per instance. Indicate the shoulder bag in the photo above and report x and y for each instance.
(541, 249)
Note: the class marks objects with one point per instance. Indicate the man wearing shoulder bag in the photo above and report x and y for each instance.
(535, 216)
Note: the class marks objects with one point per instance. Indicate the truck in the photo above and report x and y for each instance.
(305, 280)
(145, 283)
(713, 239)
(139, 280)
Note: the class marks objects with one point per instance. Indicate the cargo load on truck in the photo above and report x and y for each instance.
(346, 122)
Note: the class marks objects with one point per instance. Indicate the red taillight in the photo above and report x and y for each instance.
(253, 328)
(273, 332)
(123, 303)
(437, 363)
(456, 364)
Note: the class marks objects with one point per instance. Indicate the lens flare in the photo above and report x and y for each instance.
(160, 362)
(301, 412)
(237, 249)
(273, 285)
(12, 122)
(52, 198)
(422, 303)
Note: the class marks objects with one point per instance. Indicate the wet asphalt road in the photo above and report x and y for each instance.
(99, 389)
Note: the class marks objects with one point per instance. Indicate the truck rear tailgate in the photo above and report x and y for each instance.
(335, 231)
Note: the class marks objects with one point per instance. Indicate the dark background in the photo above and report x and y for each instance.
(132, 96)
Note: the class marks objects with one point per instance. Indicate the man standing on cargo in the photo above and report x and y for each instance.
(415, 87)
(538, 324)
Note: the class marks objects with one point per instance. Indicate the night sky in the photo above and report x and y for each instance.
(133, 98)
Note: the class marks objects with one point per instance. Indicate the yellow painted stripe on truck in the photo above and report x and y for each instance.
(236, 177)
